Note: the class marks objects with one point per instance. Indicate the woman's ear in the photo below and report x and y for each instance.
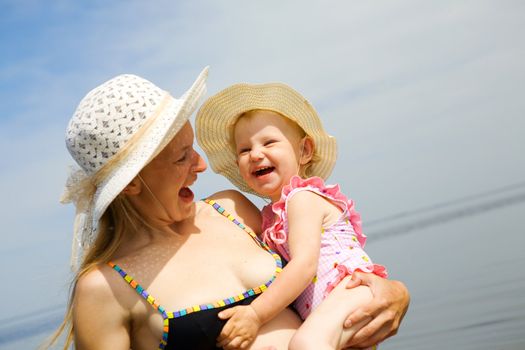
(133, 188)
(307, 150)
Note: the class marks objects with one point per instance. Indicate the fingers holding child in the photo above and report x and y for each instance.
(384, 313)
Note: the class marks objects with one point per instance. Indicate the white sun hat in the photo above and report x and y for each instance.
(118, 128)
(218, 114)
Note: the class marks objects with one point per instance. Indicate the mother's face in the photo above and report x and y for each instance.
(162, 191)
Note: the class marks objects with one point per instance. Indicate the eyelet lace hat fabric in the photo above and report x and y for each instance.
(218, 114)
(118, 128)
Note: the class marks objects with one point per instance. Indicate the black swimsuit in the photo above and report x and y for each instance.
(197, 327)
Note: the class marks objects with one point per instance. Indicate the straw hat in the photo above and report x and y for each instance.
(118, 128)
(217, 116)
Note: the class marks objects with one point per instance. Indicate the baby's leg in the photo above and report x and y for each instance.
(323, 329)
(278, 331)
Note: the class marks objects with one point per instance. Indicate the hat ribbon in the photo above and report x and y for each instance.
(80, 189)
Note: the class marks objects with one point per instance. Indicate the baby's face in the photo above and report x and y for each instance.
(268, 147)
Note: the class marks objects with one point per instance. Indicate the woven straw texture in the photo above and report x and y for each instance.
(116, 130)
(217, 116)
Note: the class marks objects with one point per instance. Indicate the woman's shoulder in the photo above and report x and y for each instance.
(232, 200)
(94, 293)
(237, 204)
(95, 282)
(229, 194)
(103, 291)
(100, 307)
(101, 284)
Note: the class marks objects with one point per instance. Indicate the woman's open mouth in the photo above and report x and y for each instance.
(186, 194)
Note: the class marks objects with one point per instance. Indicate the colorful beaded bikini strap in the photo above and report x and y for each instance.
(230, 217)
(166, 315)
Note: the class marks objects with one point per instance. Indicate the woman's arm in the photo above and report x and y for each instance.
(385, 312)
(99, 321)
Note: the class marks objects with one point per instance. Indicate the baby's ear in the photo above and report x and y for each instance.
(133, 188)
(308, 150)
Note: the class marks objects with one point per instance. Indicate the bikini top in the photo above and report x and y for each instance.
(198, 326)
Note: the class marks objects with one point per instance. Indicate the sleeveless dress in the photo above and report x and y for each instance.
(341, 242)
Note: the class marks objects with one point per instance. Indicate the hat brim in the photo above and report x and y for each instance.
(217, 116)
(166, 125)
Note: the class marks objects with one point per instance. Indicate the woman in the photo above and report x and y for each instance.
(149, 255)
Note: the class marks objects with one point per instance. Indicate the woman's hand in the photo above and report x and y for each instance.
(384, 312)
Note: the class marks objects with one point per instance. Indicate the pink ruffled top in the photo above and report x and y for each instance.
(275, 219)
(341, 242)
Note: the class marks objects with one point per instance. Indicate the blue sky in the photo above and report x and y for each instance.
(425, 99)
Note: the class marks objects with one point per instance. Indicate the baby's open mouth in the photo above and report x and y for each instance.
(263, 171)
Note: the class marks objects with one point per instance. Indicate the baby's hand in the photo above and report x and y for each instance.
(240, 330)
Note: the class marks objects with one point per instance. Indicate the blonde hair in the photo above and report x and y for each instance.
(120, 218)
(305, 169)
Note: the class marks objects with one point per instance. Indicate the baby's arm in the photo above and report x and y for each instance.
(305, 217)
(240, 330)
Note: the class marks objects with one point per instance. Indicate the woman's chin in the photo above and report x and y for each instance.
(184, 211)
